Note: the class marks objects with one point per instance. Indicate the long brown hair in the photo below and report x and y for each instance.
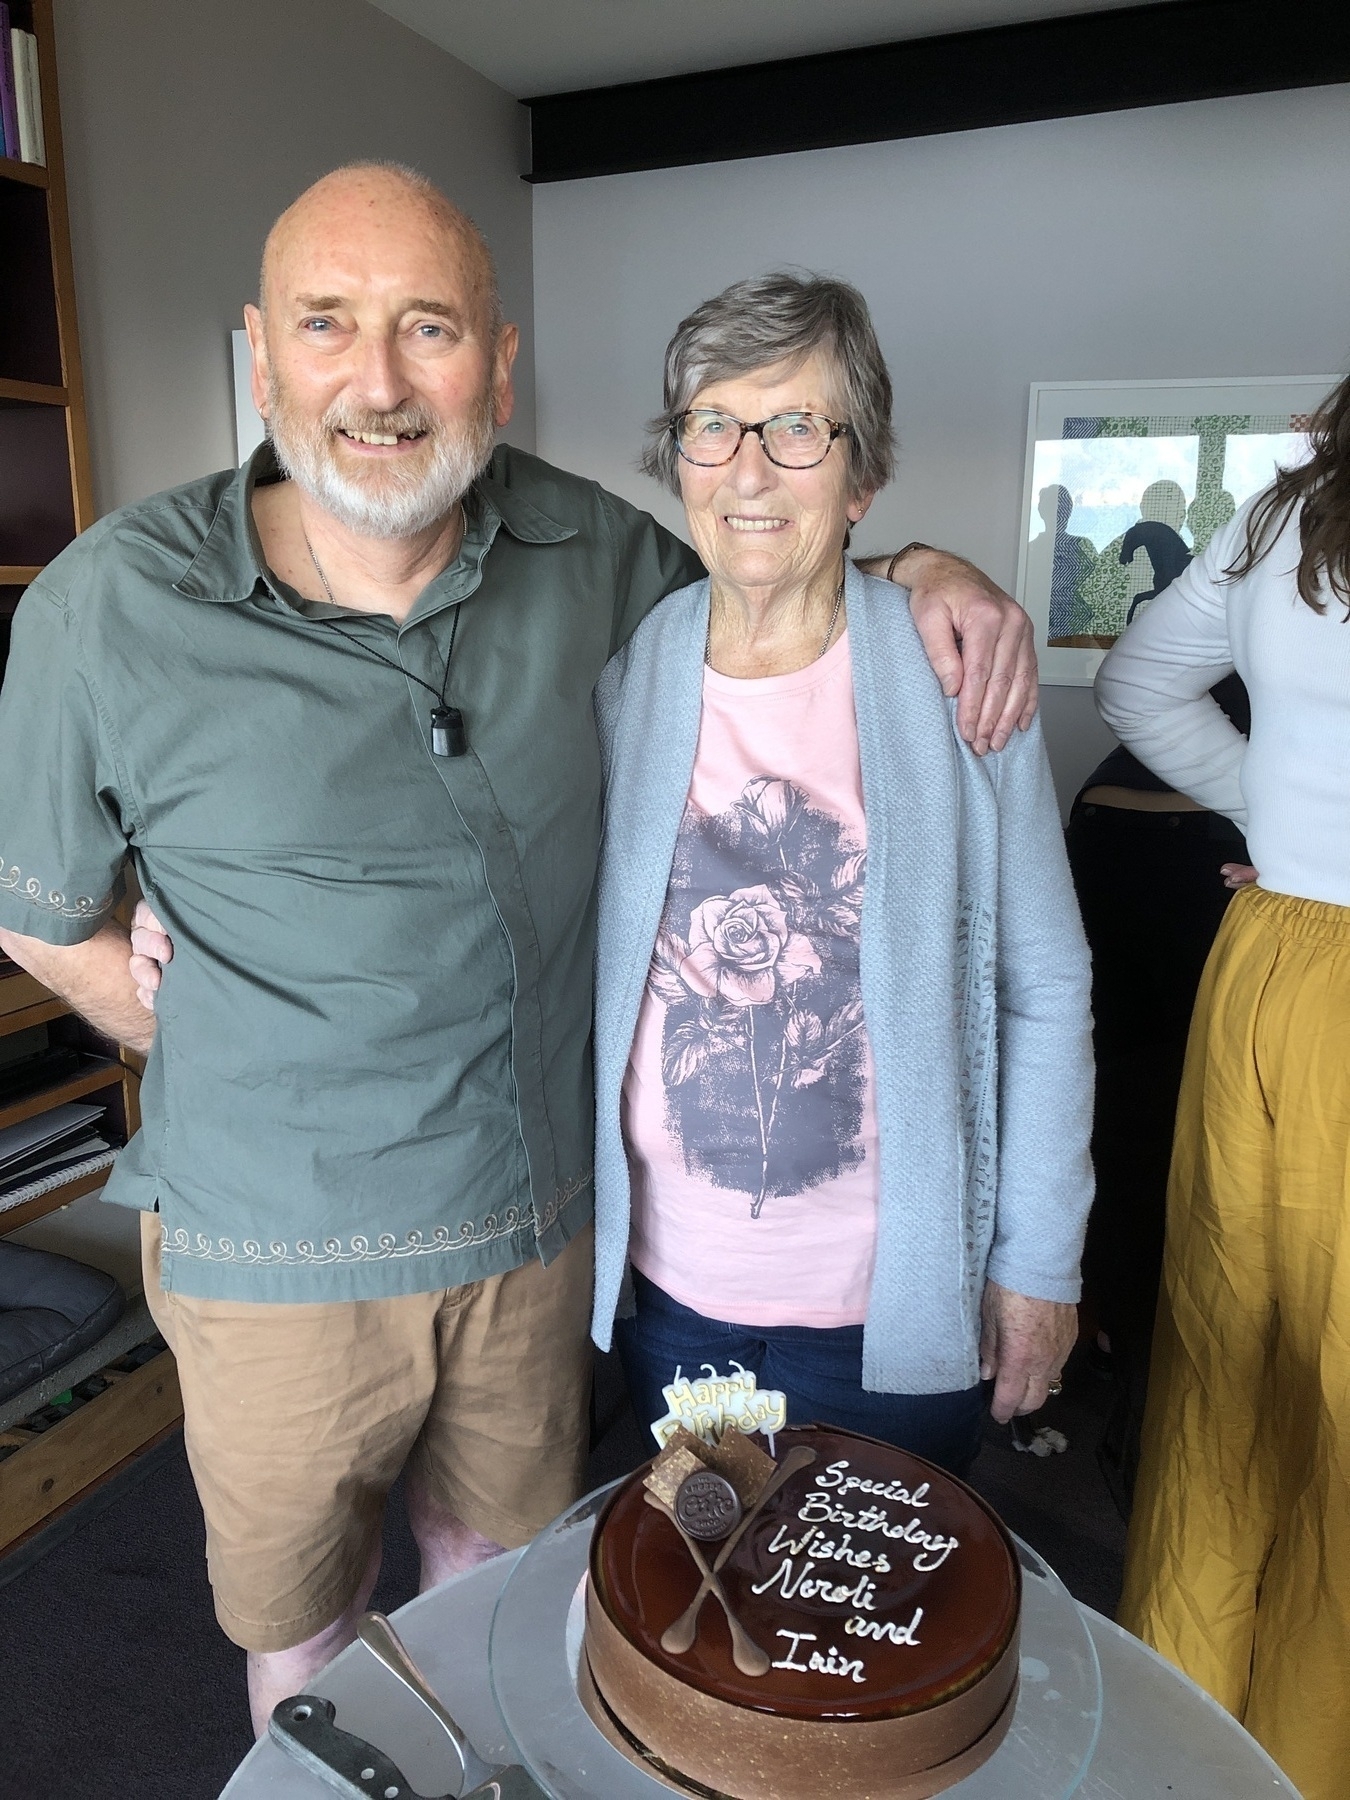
(1320, 487)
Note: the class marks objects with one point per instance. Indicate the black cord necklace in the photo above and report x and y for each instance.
(448, 737)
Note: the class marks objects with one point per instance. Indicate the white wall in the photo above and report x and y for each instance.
(188, 126)
(1209, 239)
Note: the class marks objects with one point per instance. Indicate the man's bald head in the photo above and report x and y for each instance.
(351, 198)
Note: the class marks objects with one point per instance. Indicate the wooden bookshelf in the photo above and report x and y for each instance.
(105, 1078)
(46, 1468)
(41, 393)
(11, 169)
(46, 494)
(50, 1468)
(46, 499)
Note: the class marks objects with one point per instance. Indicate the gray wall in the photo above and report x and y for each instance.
(188, 126)
(1198, 240)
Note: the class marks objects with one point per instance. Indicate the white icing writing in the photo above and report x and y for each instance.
(825, 1549)
(803, 1586)
(885, 1628)
(801, 1554)
(934, 1548)
(832, 1663)
(837, 1476)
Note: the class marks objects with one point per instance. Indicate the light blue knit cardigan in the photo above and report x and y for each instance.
(975, 983)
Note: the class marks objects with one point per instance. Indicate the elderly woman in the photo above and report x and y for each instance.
(842, 991)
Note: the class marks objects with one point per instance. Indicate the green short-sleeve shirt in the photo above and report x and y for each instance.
(372, 1069)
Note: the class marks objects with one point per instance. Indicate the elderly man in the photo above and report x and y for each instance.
(337, 709)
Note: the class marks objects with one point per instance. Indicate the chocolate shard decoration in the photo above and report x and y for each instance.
(684, 1439)
(744, 1464)
(670, 1469)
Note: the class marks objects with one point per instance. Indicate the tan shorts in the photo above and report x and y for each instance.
(298, 1418)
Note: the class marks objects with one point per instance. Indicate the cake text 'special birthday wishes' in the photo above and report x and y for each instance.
(829, 1566)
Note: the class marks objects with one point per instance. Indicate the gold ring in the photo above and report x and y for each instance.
(1055, 1387)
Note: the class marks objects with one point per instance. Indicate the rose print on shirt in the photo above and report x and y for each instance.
(740, 948)
(757, 965)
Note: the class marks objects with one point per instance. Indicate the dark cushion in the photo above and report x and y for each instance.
(51, 1308)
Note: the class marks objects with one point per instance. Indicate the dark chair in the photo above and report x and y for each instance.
(51, 1308)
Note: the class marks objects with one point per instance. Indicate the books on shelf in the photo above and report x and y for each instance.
(49, 1144)
(9, 102)
(20, 93)
(90, 1162)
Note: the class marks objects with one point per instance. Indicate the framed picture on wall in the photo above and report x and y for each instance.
(1126, 482)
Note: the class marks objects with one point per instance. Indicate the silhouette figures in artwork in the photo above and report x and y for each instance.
(1160, 540)
(1162, 511)
(1070, 560)
(1095, 593)
(1138, 564)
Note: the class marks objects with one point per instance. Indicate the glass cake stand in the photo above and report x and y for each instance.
(536, 1643)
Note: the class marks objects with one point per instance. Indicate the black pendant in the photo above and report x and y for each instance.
(447, 732)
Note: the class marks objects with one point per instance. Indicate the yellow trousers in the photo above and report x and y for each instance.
(1238, 1564)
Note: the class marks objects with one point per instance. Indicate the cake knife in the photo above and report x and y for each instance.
(303, 1726)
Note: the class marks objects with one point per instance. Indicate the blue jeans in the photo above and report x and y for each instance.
(819, 1371)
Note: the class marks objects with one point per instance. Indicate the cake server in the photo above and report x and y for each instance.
(304, 1726)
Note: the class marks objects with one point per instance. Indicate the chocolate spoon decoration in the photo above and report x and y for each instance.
(745, 1652)
(678, 1637)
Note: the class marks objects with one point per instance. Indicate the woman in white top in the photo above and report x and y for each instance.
(1238, 1566)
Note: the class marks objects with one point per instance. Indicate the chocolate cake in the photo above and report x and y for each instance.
(859, 1638)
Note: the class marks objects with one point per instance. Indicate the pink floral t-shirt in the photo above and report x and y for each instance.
(748, 1107)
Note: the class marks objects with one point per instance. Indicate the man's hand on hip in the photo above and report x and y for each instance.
(92, 977)
(978, 640)
(152, 950)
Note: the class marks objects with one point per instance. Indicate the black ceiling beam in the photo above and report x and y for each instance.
(1149, 55)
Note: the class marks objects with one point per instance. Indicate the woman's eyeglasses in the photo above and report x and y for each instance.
(792, 440)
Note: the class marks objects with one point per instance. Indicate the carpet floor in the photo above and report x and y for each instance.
(116, 1681)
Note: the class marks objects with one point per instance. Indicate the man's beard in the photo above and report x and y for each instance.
(393, 500)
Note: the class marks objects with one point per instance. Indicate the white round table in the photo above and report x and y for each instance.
(1160, 1735)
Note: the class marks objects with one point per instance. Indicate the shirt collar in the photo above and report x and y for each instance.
(525, 521)
(229, 564)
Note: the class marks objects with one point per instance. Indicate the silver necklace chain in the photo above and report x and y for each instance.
(707, 641)
(437, 694)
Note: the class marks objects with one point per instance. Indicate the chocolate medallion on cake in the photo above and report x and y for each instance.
(706, 1506)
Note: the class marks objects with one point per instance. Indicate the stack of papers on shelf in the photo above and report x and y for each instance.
(49, 1146)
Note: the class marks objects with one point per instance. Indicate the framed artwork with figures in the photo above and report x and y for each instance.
(1126, 482)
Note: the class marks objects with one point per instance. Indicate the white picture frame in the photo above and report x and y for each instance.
(1144, 468)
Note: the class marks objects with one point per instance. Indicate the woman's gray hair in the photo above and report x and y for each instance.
(782, 318)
